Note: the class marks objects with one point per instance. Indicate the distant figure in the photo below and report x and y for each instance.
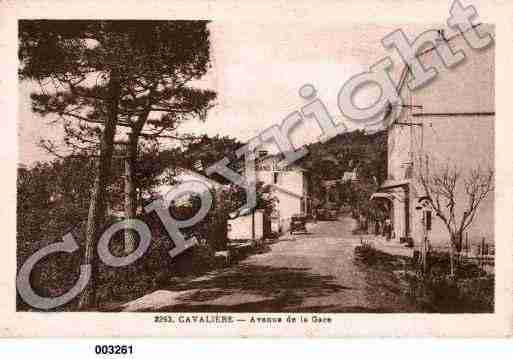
(388, 229)
(376, 228)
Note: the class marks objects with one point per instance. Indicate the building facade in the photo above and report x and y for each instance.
(448, 122)
(290, 187)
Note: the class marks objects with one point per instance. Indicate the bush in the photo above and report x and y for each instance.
(471, 290)
(55, 274)
(439, 264)
(442, 294)
(479, 293)
(366, 253)
(51, 204)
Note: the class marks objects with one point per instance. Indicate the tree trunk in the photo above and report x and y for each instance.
(130, 188)
(451, 256)
(96, 216)
(456, 246)
(424, 255)
(452, 253)
(458, 241)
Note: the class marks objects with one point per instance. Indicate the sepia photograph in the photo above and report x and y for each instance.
(205, 166)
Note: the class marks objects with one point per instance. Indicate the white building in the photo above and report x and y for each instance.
(290, 186)
(448, 121)
(169, 179)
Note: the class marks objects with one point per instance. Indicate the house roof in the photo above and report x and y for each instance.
(348, 176)
(274, 160)
(184, 175)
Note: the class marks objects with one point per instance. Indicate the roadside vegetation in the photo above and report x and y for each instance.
(53, 199)
(471, 290)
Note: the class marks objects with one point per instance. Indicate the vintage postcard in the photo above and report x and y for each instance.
(214, 170)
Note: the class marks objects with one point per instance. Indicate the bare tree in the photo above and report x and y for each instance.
(442, 185)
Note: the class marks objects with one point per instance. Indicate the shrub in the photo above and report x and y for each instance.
(366, 253)
(471, 290)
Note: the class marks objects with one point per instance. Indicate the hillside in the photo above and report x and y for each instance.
(366, 153)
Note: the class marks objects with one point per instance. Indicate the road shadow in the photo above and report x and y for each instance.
(275, 289)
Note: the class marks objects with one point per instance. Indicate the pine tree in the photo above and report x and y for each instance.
(98, 77)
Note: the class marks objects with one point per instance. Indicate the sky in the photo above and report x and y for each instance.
(257, 70)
